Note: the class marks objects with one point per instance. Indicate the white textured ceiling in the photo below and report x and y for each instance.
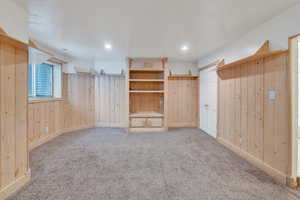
(145, 28)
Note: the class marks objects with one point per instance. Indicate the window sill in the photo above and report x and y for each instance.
(39, 100)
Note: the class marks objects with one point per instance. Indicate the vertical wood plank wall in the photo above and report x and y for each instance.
(110, 101)
(248, 121)
(75, 111)
(88, 101)
(79, 104)
(14, 170)
(183, 102)
(42, 115)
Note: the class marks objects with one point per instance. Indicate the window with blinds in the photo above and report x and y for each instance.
(41, 79)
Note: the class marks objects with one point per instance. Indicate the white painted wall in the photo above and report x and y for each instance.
(277, 30)
(111, 66)
(116, 66)
(81, 65)
(54, 52)
(13, 20)
(183, 67)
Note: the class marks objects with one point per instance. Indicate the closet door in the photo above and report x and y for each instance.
(208, 101)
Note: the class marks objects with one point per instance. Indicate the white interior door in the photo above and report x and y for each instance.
(208, 101)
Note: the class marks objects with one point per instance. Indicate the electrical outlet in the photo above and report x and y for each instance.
(46, 129)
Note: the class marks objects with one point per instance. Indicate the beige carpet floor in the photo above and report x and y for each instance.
(109, 164)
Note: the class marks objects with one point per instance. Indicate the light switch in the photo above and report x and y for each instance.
(272, 95)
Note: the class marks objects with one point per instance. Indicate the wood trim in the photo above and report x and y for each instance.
(53, 59)
(13, 41)
(146, 80)
(293, 112)
(33, 45)
(39, 100)
(145, 70)
(166, 94)
(221, 63)
(146, 91)
(43, 140)
(13, 187)
(183, 76)
(147, 129)
(183, 124)
(2, 31)
(209, 65)
(277, 175)
(112, 125)
(294, 36)
(298, 181)
(251, 58)
(50, 137)
(68, 130)
(264, 48)
(76, 69)
(291, 182)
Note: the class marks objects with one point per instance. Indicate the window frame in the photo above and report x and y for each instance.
(53, 84)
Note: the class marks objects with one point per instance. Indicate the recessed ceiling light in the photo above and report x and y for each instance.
(184, 48)
(108, 46)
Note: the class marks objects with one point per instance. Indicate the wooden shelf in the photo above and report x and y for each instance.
(146, 91)
(146, 80)
(183, 76)
(146, 115)
(147, 88)
(251, 58)
(145, 70)
(187, 77)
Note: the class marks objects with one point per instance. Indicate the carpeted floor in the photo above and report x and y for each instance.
(109, 164)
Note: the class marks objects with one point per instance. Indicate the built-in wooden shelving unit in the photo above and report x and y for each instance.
(182, 77)
(146, 114)
(146, 70)
(147, 94)
(146, 80)
(146, 91)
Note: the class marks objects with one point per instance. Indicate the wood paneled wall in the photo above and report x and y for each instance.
(45, 121)
(14, 169)
(50, 118)
(250, 122)
(99, 101)
(110, 101)
(183, 102)
(79, 104)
